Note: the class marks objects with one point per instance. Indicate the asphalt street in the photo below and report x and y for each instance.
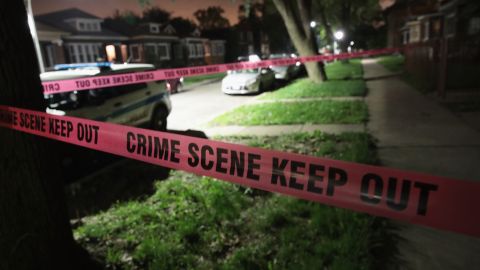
(194, 108)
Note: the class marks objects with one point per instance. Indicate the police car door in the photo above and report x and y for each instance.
(127, 104)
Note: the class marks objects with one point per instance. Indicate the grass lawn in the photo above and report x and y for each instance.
(195, 222)
(393, 63)
(278, 113)
(304, 88)
(339, 70)
(196, 79)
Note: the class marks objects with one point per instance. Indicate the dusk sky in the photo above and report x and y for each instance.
(105, 8)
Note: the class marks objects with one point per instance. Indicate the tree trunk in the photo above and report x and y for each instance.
(34, 227)
(297, 21)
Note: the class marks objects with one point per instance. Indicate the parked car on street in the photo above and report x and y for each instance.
(248, 81)
(286, 73)
(140, 104)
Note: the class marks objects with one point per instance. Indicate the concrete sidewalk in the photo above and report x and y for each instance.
(415, 133)
(273, 130)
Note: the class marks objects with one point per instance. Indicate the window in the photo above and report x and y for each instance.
(199, 49)
(150, 55)
(191, 51)
(178, 50)
(81, 55)
(83, 52)
(218, 49)
(426, 30)
(154, 28)
(414, 35)
(405, 37)
(158, 51)
(249, 36)
(450, 25)
(474, 26)
(163, 51)
(135, 52)
(86, 25)
(72, 53)
(127, 89)
(89, 53)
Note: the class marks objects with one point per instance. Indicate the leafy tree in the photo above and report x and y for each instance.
(184, 27)
(156, 14)
(35, 232)
(211, 18)
(126, 16)
(279, 42)
(347, 16)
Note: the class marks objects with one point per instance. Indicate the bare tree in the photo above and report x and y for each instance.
(297, 17)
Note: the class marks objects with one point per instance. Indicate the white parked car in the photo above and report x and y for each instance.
(140, 104)
(248, 81)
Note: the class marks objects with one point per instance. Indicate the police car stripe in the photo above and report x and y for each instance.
(131, 107)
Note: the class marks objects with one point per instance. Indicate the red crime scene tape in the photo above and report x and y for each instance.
(95, 82)
(417, 198)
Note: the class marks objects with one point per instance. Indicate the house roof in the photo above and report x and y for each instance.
(47, 28)
(141, 30)
(58, 20)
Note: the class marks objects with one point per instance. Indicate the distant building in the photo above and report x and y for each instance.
(75, 36)
(87, 39)
(150, 42)
(441, 39)
(251, 39)
(51, 44)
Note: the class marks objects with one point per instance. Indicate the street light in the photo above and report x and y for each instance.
(339, 35)
(313, 24)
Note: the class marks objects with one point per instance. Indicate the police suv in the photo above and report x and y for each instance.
(140, 104)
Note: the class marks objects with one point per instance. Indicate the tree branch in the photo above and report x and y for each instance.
(304, 12)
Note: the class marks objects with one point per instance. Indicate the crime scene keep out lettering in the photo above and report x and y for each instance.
(284, 173)
(58, 127)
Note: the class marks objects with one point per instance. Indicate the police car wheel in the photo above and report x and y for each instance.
(159, 119)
